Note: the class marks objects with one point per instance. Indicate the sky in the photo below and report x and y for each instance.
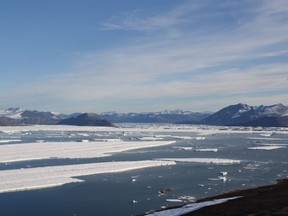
(141, 56)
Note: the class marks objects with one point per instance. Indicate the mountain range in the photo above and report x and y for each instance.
(244, 115)
(154, 117)
(233, 115)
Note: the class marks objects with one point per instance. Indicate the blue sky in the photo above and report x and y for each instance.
(150, 55)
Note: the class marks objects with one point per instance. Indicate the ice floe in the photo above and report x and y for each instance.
(108, 140)
(206, 131)
(191, 207)
(186, 198)
(174, 200)
(43, 177)
(183, 148)
(182, 137)
(38, 151)
(200, 138)
(266, 138)
(150, 138)
(223, 173)
(266, 147)
(206, 150)
(220, 161)
(10, 141)
(266, 134)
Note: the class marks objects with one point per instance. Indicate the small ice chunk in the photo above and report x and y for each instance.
(206, 150)
(85, 140)
(200, 138)
(183, 148)
(223, 178)
(187, 198)
(223, 173)
(174, 200)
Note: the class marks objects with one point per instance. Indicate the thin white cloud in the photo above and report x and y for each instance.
(139, 20)
(192, 63)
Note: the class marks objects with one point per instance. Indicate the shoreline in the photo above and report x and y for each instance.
(263, 200)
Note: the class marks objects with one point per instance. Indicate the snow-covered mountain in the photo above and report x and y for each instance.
(243, 114)
(18, 116)
(236, 115)
(14, 113)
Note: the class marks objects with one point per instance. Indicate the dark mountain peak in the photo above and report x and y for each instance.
(3, 123)
(86, 119)
(230, 113)
(90, 115)
(239, 106)
(243, 114)
(14, 109)
(273, 110)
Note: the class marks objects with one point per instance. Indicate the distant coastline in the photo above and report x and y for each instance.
(233, 115)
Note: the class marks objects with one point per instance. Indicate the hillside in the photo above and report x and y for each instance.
(86, 119)
(245, 115)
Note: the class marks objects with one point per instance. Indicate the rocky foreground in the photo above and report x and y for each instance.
(265, 201)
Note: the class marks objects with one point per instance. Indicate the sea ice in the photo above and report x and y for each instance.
(174, 200)
(200, 130)
(9, 141)
(150, 138)
(200, 138)
(266, 138)
(182, 148)
(219, 161)
(207, 150)
(38, 151)
(272, 147)
(42, 177)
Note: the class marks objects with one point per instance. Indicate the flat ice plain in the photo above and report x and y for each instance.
(43, 177)
(38, 151)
